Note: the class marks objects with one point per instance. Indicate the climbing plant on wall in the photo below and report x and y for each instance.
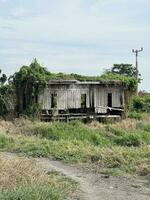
(28, 82)
(129, 82)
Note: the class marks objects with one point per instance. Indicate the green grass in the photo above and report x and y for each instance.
(32, 192)
(39, 192)
(133, 139)
(5, 141)
(109, 147)
(135, 115)
(70, 132)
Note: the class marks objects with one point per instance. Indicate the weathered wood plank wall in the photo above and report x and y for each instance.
(101, 95)
(69, 96)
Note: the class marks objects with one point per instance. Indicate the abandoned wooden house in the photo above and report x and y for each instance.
(72, 99)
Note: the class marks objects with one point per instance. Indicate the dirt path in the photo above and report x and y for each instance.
(95, 186)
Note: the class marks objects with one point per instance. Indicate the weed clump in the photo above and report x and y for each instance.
(128, 140)
(5, 142)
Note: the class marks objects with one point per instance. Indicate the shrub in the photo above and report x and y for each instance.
(140, 104)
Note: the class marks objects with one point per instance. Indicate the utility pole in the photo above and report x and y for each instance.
(136, 51)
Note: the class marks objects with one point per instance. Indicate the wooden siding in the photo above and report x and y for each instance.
(69, 96)
(101, 95)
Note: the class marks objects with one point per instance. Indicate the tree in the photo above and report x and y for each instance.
(7, 97)
(124, 69)
(126, 73)
(3, 78)
(28, 82)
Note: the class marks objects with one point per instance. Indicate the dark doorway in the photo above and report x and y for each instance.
(91, 99)
(109, 100)
(53, 100)
(121, 100)
(83, 100)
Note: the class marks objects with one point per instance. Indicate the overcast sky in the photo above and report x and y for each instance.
(79, 36)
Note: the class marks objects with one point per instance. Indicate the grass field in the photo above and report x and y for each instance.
(20, 179)
(120, 148)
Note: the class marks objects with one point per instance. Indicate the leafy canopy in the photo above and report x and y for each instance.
(3, 78)
(124, 69)
(35, 74)
(6, 95)
(129, 82)
(28, 82)
(126, 73)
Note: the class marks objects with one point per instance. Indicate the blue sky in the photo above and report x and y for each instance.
(80, 36)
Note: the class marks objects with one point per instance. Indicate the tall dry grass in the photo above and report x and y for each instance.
(19, 171)
(18, 126)
(22, 179)
(27, 127)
